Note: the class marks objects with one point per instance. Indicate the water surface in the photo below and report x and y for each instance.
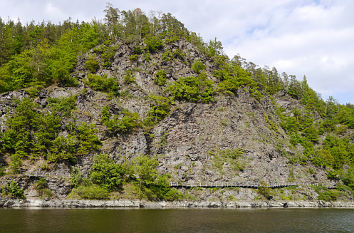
(175, 220)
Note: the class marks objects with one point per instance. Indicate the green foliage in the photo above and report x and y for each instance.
(133, 57)
(93, 191)
(326, 194)
(106, 173)
(137, 50)
(34, 133)
(49, 60)
(198, 66)
(270, 124)
(41, 186)
(167, 55)
(120, 124)
(158, 111)
(153, 44)
(76, 177)
(128, 77)
(16, 162)
(230, 156)
(152, 185)
(232, 77)
(13, 190)
(108, 56)
(92, 64)
(103, 83)
(81, 140)
(348, 177)
(160, 78)
(63, 106)
(264, 191)
(192, 89)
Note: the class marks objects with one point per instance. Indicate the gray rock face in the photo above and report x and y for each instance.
(187, 141)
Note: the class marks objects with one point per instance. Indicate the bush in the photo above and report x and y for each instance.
(92, 64)
(264, 191)
(13, 190)
(82, 139)
(103, 83)
(124, 124)
(94, 192)
(16, 162)
(153, 44)
(193, 89)
(160, 78)
(41, 186)
(154, 186)
(62, 106)
(167, 56)
(198, 66)
(159, 110)
(325, 194)
(128, 77)
(134, 57)
(106, 173)
(137, 50)
(108, 55)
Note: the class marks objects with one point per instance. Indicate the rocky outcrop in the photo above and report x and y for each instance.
(187, 141)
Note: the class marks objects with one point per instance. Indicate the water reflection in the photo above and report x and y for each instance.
(175, 220)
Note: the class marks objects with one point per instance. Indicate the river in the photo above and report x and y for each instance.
(175, 220)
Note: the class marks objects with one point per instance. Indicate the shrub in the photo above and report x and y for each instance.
(128, 77)
(152, 185)
(92, 64)
(326, 194)
(133, 57)
(198, 66)
(41, 187)
(108, 55)
(160, 78)
(193, 89)
(137, 50)
(167, 56)
(264, 191)
(128, 122)
(158, 111)
(89, 192)
(62, 106)
(13, 190)
(153, 44)
(82, 139)
(103, 83)
(106, 173)
(16, 162)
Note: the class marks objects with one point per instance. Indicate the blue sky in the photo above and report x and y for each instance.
(301, 37)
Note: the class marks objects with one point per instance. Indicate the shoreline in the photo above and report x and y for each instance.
(140, 204)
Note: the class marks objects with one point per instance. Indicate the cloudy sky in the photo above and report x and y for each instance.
(301, 37)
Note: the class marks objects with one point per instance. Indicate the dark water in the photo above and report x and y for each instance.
(175, 220)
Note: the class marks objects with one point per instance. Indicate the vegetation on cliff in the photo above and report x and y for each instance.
(37, 56)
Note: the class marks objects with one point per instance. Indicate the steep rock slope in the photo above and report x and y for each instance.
(178, 105)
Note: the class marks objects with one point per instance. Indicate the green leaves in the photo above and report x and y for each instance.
(106, 173)
(160, 78)
(103, 83)
(193, 89)
(13, 190)
(120, 124)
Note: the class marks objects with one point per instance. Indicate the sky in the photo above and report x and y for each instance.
(300, 37)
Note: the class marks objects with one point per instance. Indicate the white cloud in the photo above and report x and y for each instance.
(312, 37)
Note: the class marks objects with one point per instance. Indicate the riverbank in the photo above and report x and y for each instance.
(58, 203)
